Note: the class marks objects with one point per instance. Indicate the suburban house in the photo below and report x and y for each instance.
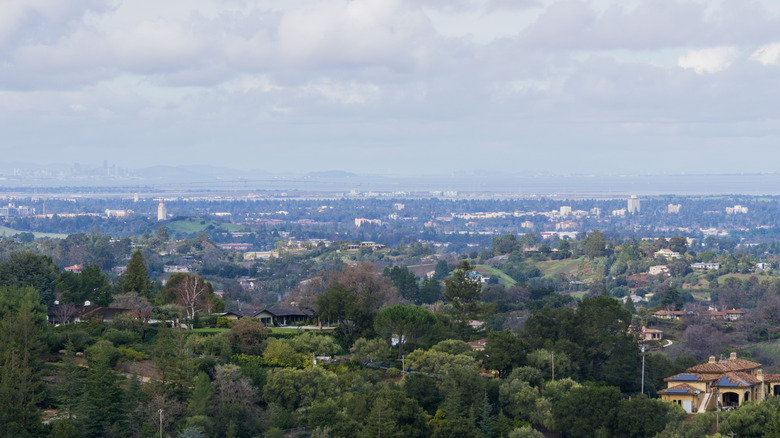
(76, 269)
(70, 313)
(282, 316)
(648, 335)
(734, 314)
(705, 266)
(669, 314)
(667, 253)
(658, 269)
(728, 315)
(478, 345)
(730, 382)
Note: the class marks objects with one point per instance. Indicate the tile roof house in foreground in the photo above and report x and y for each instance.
(730, 381)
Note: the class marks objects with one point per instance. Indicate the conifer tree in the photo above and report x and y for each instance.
(136, 279)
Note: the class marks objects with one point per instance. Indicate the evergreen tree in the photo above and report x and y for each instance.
(71, 384)
(21, 388)
(136, 279)
(101, 407)
(200, 400)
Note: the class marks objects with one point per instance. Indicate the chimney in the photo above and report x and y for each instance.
(712, 359)
(760, 375)
(733, 355)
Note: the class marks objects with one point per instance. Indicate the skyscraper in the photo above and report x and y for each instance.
(633, 204)
(161, 213)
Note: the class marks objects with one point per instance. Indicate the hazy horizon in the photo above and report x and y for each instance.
(394, 87)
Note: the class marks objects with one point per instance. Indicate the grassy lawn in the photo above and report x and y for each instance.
(210, 330)
(551, 268)
(5, 231)
(190, 225)
(578, 295)
(702, 296)
(505, 279)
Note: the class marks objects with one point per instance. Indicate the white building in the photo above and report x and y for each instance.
(162, 214)
(633, 205)
(565, 211)
(673, 208)
(737, 209)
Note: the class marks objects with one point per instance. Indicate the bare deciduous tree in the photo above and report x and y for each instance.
(191, 294)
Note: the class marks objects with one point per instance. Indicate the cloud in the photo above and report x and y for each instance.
(767, 55)
(711, 60)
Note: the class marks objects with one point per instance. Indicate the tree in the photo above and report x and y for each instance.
(101, 409)
(442, 270)
(28, 269)
(405, 282)
(430, 291)
(192, 293)
(136, 279)
(678, 244)
(70, 384)
(408, 323)
(369, 351)
(90, 285)
(595, 245)
(504, 351)
(21, 388)
(246, 336)
(463, 292)
(587, 411)
(294, 388)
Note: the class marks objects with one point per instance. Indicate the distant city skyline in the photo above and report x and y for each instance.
(394, 87)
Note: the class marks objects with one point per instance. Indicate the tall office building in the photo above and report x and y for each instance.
(162, 214)
(633, 205)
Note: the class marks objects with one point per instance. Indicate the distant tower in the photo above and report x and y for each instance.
(161, 213)
(135, 197)
(633, 204)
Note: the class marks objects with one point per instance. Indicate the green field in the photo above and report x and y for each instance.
(5, 231)
(551, 268)
(504, 279)
(196, 225)
(210, 330)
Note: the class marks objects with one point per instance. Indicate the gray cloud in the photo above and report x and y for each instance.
(372, 85)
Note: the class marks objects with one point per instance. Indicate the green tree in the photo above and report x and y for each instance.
(463, 292)
(21, 388)
(136, 279)
(294, 388)
(90, 285)
(405, 282)
(101, 408)
(442, 270)
(71, 384)
(353, 313)
(595, 245)
(678, 244)
(201, 402)
(430, 290)
(587, 411)
(408, 323)
(27, 269)
(504, 351)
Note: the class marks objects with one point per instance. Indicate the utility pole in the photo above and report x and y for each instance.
(161, 425)
(643, 368)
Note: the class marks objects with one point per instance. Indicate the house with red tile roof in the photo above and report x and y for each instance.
(730, 382)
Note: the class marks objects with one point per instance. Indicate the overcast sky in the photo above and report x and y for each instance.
(394, 86)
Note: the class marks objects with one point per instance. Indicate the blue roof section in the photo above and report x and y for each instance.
(679, 390)
(725, 381)
(686, 377)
